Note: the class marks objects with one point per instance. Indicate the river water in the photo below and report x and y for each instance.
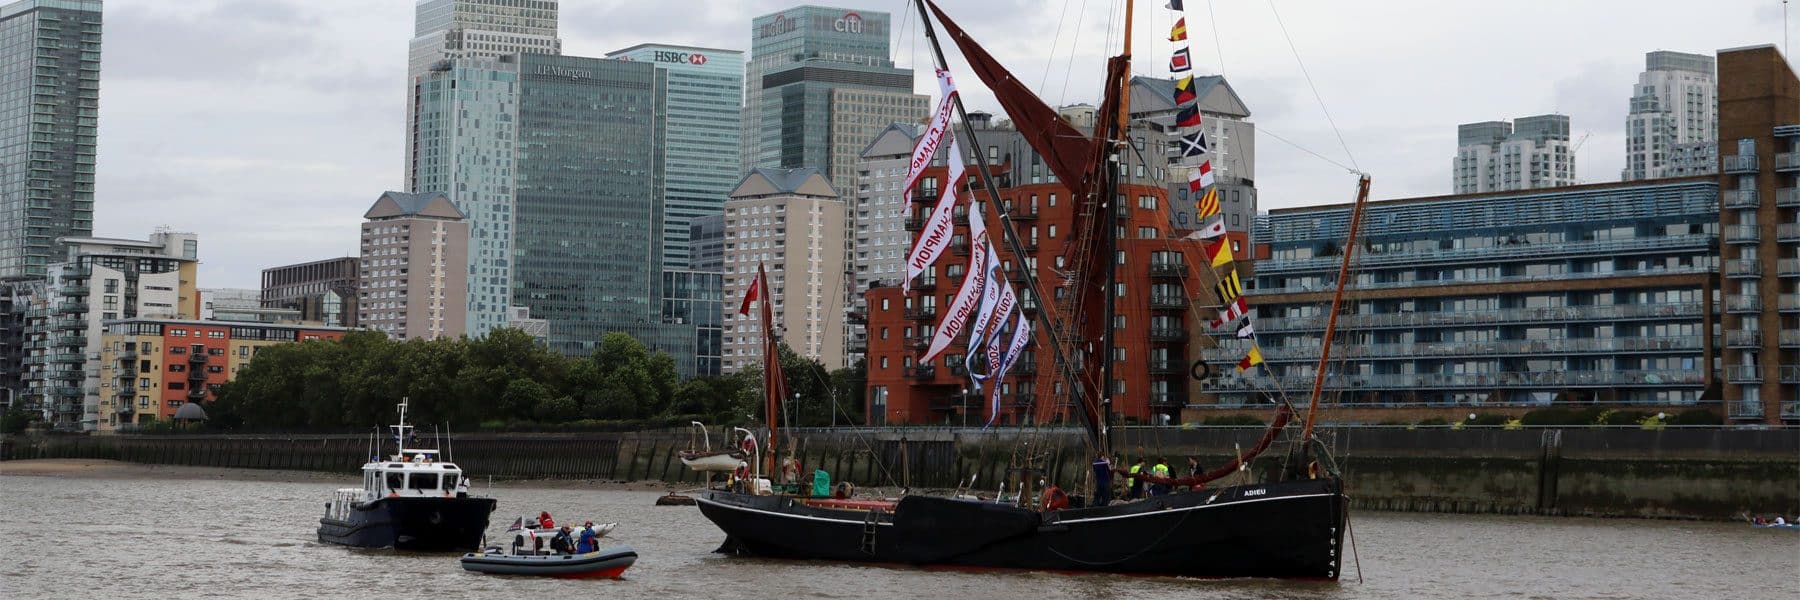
(213, 538)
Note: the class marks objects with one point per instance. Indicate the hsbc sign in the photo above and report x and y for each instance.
(692, 58)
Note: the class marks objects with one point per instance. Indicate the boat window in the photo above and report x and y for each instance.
(449, 481)
(396, 481)
(424, 481)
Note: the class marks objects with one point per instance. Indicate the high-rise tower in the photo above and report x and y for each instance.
(49, 107)
(1673, 127)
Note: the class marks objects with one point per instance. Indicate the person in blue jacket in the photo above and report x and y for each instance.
(588, 542)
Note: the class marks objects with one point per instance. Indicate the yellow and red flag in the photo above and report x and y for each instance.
(1220, 252)
(1209, 204)
(1250, 360)
(1179, 32)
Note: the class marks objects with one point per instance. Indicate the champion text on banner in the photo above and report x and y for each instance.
(967, 296)
(935, 237)
(934, 134)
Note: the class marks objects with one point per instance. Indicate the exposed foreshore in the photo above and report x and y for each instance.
(1700, 473)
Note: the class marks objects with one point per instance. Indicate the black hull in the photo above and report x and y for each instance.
(1288, 530)
(419, 524)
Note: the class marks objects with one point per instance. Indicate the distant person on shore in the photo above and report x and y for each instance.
(1160, 470)
(1134, 485)
(1102, 481)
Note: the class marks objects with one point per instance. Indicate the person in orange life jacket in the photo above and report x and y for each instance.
(545, 521)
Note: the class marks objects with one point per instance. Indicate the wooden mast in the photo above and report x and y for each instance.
(1337, 299)
(1108, 234)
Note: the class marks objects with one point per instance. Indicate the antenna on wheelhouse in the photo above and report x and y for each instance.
(401, 430)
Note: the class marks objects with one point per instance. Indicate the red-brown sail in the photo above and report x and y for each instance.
(1066, 151)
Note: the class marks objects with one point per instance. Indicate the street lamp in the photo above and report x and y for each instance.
(964, 396)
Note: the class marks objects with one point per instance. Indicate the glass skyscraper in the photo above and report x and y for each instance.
(589, 237)
(821, 86)
(463, 138)
(700, 136)
(49, 107)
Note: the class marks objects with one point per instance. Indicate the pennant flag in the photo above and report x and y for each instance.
(1188, 117)
(1209, 231)
(1173, 5)
(967, 296)
(935, 238)
(754, 293)
(1184, 90)
(1179, 62)
(933, 136)
(1193, 145)
(1246, 331)
(990, 298)
(1179, 32)
(1209, 204)
(1021, 336)
(1220, 253)
(1231, 312)
(1250, 360)
(1230, 287)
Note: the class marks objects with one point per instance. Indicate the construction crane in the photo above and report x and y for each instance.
(1575, 150)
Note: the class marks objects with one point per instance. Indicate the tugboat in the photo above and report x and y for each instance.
(411, 501)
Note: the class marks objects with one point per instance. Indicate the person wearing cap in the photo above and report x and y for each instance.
(563, 543)
(587, 543)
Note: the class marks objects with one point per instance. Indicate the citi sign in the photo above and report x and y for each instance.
(849, 23)
(692, 58)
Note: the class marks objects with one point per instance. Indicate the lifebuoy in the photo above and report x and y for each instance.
(1200, 371)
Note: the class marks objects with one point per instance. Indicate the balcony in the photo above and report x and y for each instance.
(196, 394)
(1167, 334)
(1790, 410)
(123, 405)
(960, 245)
(1743, 374)
(67, 308)
(1787, 232)
(1023, 215)
(926, 372)
(1026, 366)
(1790, 374)
(921, 314)
(1164, 367)
(196, 375)
(1166, 400)
(1635, 344)
(1529, 380)
(925, 284)
(1788, 267)
(1167, 270)
(75, 291)
(1739, 338)
(1789, 338)
(73, 358)
(958, 369)
(1744, 409)
(1742, 234)
(1743, 267)
(915, 223)
(1740, 199)
(197, 358)
(919, 343)
(1020, 400)
(1786, 162)
(1737, 165)
(1743, 304)
(1168, 302)
(1788, 303)
(1787, 197)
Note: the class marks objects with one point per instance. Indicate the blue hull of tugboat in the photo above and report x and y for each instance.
(418, 524)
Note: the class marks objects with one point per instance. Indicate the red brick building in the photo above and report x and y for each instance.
(1155, 315)
(150, 367)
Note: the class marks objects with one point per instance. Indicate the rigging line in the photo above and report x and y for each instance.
(1050, 59)
(1352, 169)
(1218, 47)
(1074, 46)
(1309, 83)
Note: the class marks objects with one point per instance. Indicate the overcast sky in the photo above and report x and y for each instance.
(269, 126)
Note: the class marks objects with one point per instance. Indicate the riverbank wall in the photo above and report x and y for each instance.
(1684, 473)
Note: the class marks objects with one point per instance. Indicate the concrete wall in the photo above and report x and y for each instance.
(1675, 473)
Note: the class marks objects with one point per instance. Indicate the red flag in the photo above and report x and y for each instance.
(1179, 31)
(1184, 90)
(755, 292)
(1188, 117)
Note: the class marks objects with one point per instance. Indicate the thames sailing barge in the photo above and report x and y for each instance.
(1291, 526)
(411, 501)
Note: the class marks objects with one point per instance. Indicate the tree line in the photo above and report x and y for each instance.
(508, 380)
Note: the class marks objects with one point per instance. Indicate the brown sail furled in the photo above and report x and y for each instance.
(1066, 151)
(1282, 414)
